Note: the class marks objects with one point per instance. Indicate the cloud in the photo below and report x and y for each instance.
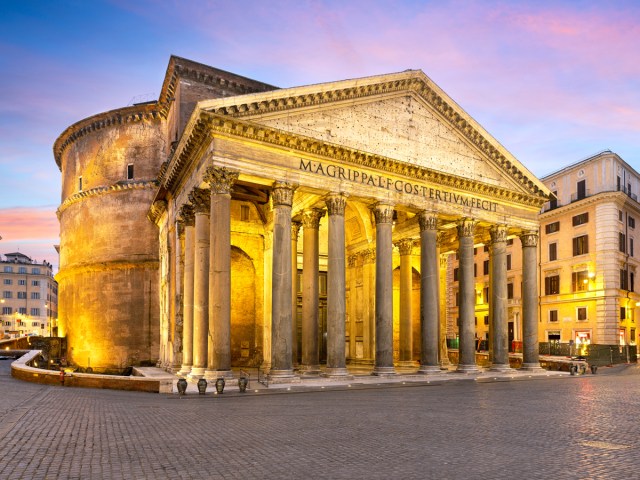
(32, 231)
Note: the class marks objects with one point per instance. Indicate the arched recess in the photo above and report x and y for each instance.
(244, 351)
(415, 313)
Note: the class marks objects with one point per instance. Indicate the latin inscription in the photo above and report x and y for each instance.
(400, 186)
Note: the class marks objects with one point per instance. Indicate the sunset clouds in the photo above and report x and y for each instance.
(32, 231)
(553, 81)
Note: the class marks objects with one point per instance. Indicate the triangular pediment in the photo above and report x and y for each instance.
(404, 117)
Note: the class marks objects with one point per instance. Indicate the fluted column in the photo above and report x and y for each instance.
(310, 270)
(188, 217)
(467, 349)
(221, 181)
(295, 230)
(498, 299)
(405, 357)
(201, 201)
(429, 293)
(336, 288)
(384, 290)
(281, 284)
(530, 348)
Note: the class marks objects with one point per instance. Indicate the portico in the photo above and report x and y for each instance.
(339, 185)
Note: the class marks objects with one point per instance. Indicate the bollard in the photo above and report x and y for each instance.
(182, 386)
(242, 384)
(220, 385)
(202, 386)
(573, 369)
(594, 369)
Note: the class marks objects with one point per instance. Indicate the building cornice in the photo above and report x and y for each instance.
(98, 191)
(617, 197)
(209, 124)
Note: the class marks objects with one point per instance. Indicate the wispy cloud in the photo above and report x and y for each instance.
(32, 231)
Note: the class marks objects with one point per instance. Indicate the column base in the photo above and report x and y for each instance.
(532, 367)
(500, 368)
(473, 368)
(310, 370)
(184, 370)
(384, 372)
(282, 376)
(429, 369)
(338, 372)
(196, 373)
(215, 374)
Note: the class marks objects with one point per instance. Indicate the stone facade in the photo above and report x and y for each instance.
(310, 248)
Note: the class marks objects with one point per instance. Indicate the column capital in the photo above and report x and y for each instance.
(466, 227)
(498, 233)
(405, 246)
(383, 212)
(179, 227)
(282, 193)
(295, 230)
(441, 237)
(200, 198)
(336, 203)
(529, 238)
(187, 215)
(352, 260)
(427, 220)
(311, 218)
(369, 255)
(220, 179)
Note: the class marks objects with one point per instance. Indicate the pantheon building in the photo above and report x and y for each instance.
(231, 223)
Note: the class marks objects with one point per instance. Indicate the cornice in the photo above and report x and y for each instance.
(412, 81)
(99, 191)
(120, 116)
(209, 123)
(106, 266)
(617, 197)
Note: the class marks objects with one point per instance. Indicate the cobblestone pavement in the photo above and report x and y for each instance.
(575, 427)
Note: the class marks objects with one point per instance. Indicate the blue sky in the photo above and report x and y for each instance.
(553, 81)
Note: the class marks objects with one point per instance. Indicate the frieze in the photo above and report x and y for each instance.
(221, 179)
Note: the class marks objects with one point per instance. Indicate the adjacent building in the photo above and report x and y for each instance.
(29, 298)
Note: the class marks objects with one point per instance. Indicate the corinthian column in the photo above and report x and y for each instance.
(384, 290)
(201, 200)
(221, 181)
(188, 217)
(310, 268)
(467, 351)
(281, 284)
(295, 230)
(498, 300)
(530, 348)
(405, 246)
(429, 293)
(336, 288)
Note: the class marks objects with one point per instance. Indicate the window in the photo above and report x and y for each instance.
(486, 319)
(580, 281)
(35, 295)
(475, 270)
(7, 294)
(455, 274)
(457, 298)
(35, 312)
(553, 203)
(581, 219)
(485, 294)
(632, 335)
(552, 285)
(486, 249)
(510, 291)
(22, 310)
(582, 189)
(622, 242)
(632, 282)
(631, 246)
(509, 261)
(580, 245)
(244, 213)
(8, 269)
(130, 171)
(35, 283)
(8, 281)
(552, 227)
(22, 269)
(35, 271)
(509, 242)
(553, 251)
(79, 184)
(581, 313)
(7, 310)
(623, 313)
(22, 282)
(632, 222)
(485, 267)
(624, 279)
(22, 294)
(553, 315)
(620, 215)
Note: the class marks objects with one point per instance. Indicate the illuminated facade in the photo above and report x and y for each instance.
(29, 301)
(588, 251)
(288, 228)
